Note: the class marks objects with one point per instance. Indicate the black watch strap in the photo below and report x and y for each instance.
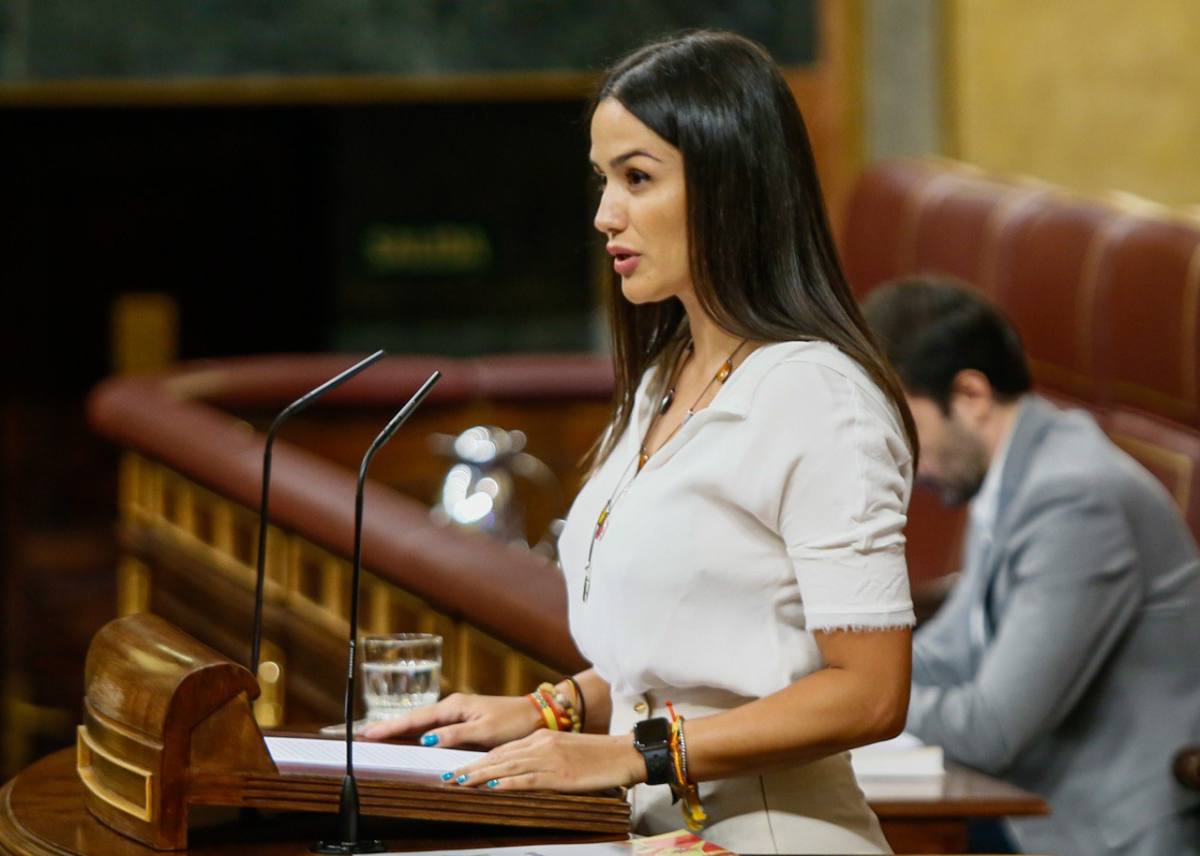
(652, 737)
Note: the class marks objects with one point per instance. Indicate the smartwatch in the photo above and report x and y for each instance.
(652, 737)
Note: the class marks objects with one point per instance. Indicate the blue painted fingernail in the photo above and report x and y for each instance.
(447, 776)
(429, 739)
(462, 778)
(493, 783)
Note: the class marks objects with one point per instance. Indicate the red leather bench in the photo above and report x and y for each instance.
(1104, 291)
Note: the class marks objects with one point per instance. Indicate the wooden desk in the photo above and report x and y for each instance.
(924, 816)
(42, 813)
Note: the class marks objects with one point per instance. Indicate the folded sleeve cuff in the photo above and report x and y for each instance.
(856, 619)
(848, 589)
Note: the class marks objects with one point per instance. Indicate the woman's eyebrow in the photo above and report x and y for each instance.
(620, 159)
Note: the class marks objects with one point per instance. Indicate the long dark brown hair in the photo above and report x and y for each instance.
(762, 257)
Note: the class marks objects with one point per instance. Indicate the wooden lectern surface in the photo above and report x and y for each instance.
(42, 812)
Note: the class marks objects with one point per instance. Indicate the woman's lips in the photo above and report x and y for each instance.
(626, 263)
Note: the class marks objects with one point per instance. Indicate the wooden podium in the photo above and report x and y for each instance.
(168, 724)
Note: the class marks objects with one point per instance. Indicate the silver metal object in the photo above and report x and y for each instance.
(479, 490)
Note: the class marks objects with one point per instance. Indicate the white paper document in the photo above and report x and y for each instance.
(901, 757)
(367, 756)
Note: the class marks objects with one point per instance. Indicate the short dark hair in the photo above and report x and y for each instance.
(933, 328)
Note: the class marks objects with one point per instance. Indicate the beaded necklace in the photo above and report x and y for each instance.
(643, 454)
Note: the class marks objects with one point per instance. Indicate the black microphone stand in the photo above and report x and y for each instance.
(348, 806)
(289, 411)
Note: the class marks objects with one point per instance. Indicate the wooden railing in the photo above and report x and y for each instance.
(189, 489)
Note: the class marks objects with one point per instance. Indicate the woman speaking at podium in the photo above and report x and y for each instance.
(735, 562)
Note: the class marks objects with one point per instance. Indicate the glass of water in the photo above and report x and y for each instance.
(401, 672)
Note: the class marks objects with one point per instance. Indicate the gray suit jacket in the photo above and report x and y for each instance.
(1067, 658)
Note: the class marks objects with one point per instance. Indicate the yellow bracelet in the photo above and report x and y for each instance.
(546, 711)
(688, 794)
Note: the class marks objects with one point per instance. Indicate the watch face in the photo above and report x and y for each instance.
(651, 732)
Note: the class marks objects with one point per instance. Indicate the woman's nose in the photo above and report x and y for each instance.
(610, 218)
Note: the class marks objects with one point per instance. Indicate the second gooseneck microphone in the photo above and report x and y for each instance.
(348, 808)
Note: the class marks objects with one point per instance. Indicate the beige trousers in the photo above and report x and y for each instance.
(816, 808)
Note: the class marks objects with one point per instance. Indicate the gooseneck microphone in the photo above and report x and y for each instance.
(287, 412)
(348, 807)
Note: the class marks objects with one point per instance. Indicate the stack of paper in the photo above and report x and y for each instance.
(901, 757)
(314, 752)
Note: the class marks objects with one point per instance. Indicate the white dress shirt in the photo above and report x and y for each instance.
(986, 504)
(981, 532)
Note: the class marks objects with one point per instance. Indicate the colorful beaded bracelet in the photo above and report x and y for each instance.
(562, 706)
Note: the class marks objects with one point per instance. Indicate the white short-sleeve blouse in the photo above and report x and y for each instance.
(777, 510)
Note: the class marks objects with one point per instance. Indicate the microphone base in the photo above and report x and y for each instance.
(342, 848)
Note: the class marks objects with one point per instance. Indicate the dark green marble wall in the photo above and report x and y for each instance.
(107, 39)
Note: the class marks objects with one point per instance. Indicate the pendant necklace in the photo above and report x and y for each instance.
(721, 376)
(643, 455)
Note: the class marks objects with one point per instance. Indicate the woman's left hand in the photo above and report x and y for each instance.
(556, 761)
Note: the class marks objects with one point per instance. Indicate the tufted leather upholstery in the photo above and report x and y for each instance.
(1147, 318)
(1047, 277)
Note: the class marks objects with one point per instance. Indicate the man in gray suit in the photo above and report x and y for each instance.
(1066, 659)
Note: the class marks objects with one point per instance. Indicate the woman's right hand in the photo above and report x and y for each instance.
(460, 719)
